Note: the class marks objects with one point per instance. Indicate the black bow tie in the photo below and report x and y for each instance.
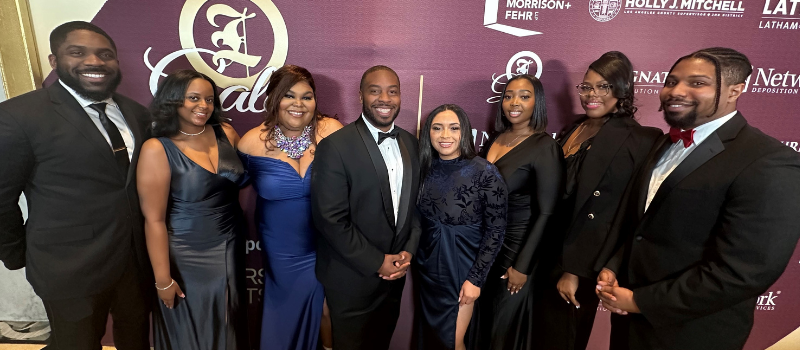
(384, 135)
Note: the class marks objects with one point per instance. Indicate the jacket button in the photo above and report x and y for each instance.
(638, 238)
(590, 216)
(596, 193)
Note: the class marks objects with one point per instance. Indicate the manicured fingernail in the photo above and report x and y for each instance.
(567, 302)
(599, 287)
(577, 306)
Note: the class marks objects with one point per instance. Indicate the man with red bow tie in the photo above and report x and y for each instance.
(710, 222)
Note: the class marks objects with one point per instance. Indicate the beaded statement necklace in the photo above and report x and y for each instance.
(293, 146)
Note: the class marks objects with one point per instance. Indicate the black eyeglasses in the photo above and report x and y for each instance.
(599, 90)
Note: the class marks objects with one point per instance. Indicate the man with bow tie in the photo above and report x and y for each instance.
(364, 186)
(710, 222)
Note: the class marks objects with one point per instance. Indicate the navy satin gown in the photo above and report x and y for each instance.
(463, 206)
(293, 297)
(204, 223)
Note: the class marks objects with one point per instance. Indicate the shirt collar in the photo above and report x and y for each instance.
(703, 131)
(83, 101)
(372, 129)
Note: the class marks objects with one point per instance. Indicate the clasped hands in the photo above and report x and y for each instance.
(615, 298)
(394, 265)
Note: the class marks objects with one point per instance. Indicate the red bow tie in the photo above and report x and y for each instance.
(676, 135)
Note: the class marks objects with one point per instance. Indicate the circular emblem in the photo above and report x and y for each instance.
(521, 62)
(604, 10)
(230, 36)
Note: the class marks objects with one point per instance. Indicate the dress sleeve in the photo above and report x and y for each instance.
(547, 182)
(494, 196)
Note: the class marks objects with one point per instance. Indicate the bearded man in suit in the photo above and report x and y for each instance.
(711, 221)
(364, 186)
(72, 149)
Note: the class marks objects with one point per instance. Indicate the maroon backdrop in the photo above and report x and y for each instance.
(465, 51)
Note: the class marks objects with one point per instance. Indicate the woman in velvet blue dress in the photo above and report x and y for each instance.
(278, 155)
(462, 205)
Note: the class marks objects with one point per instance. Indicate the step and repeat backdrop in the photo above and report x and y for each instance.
(463, 52)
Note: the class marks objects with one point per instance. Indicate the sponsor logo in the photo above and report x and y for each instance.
(766, 302)
(694, 8)
(792, 144)
(519, 12)
(523, 62)
(242, 70)
(255, 285)
(772, 81)
(648, 82)
(604, 10)
(780, 14)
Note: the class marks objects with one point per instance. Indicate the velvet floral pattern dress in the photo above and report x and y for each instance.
(462, 205)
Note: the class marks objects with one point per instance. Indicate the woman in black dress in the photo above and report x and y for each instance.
(188, 179)
(531, 164)
(602, 149)
(462, 204)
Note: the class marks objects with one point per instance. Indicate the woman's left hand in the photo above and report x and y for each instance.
(469, 293)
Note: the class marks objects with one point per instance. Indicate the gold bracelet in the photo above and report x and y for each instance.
(165, 288)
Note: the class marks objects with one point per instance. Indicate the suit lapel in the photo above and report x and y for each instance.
(609, 140)
(661, 146)
(405, 193)
(72, 111)
(380, 169)
(708, 149)
(133, 125)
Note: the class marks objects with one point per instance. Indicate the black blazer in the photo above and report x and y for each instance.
(719, 231)
(352, 208)
(618, 151)
(84, 218)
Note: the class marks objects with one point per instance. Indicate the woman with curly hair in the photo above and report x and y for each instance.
(278, 155)
(188, 179)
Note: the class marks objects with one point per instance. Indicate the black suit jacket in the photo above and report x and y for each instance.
(618, 151)
(719, 231)
(351, 204)
(84, 218)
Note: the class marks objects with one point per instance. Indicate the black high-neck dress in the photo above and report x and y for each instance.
(462, 206)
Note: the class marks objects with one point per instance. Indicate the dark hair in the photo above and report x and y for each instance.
(538, 120)
(59, 35)
(728, 63)
(171, 95)
(280, 82)
(615, 68)
(427, 153)
(375, 69)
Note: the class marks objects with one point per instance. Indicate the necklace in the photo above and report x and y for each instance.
(512, 141)
(293, 146)
(572, 144)
(188, 134)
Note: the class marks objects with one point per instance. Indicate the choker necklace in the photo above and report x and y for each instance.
(188, 134)
(293, 146)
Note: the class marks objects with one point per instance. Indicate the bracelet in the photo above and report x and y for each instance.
(165, 288)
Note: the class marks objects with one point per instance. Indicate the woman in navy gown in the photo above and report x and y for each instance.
(462, 205)
(278, 155)
(188, 179)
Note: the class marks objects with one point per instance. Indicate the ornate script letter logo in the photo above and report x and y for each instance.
(232, 35)
(604, 10)
(519, 64)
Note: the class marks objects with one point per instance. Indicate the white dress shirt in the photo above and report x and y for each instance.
(677, 153)
(390, 150)
(112, 111)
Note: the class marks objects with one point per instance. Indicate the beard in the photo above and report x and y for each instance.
(375, 121)
(94, 95)
(675, 120)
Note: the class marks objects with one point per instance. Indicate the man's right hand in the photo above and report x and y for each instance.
(388, 268)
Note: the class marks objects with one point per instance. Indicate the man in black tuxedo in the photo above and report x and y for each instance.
(72, 149)
(712, 219)
(364, 186)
